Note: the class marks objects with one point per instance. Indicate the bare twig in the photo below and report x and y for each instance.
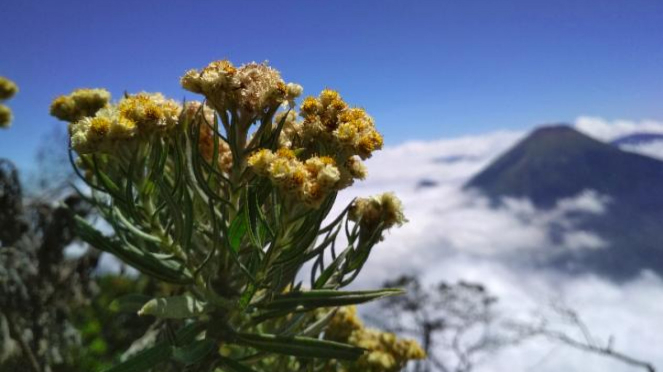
(589, 344)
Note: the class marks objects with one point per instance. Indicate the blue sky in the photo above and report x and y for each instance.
(423, 69)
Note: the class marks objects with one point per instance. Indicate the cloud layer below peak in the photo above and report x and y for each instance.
(455, 234)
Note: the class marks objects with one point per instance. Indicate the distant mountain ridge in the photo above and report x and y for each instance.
(556, 162)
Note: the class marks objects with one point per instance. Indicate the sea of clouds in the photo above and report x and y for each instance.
(454, 234)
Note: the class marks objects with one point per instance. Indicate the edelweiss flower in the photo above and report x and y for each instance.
(384, 351)
(385, 208)
(79, 104)
(101, 132)
(253, 88)
(150, 111)
(5, 116)
(7, 88)
(309, 181)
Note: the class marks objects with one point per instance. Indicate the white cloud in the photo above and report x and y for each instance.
(652, 149)
(455, 234)
(607, 131)
(610, 130)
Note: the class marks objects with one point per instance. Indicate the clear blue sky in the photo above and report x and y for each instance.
(423, 69)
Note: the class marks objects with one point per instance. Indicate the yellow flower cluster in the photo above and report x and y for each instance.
(385, 208)
(309, 181)
(7, 90)
(252, 88)
(150, 111)
(351, 131)
(6, 116)
(291, 129)
(79, 104)
(134, 116)
(330, 127)
(385, 352)
(101, 132)
(344, 322)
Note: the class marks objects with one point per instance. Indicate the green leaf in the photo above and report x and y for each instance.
(325, 298)
(188, 221)
(306, 347)
(193, 352)
(237, 231)
(145, 360)
(160, 352)
(252, 220)
(168, 270)
(175, 307)
(130, 303)
(108, 185)
(330, 270)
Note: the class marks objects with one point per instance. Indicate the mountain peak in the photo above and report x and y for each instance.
(553, 129)
(557, 161)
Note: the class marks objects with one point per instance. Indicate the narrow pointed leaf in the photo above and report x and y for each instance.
(325, 298)
(171, 271)
(175, 307)
(160, 352)
(145, 360)
(193, 352)
(305, 347)
(237, 231)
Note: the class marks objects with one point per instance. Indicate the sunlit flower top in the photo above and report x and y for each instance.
(347, 131)
(133, 117)
(309, 181)
(315, 157)
(253, 88)
(150, 112)
(380, 211)
(5, 116)
(79, 104)
(7, 88)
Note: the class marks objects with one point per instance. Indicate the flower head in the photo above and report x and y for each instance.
(7, 88)
(6, 116)
(384, 351)
(253, 88)
(385, 209)
(150, 111)
(102, 132)
(350, 130)
(309, 181)
(261, 87)
(79, 104)
(291, 128)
